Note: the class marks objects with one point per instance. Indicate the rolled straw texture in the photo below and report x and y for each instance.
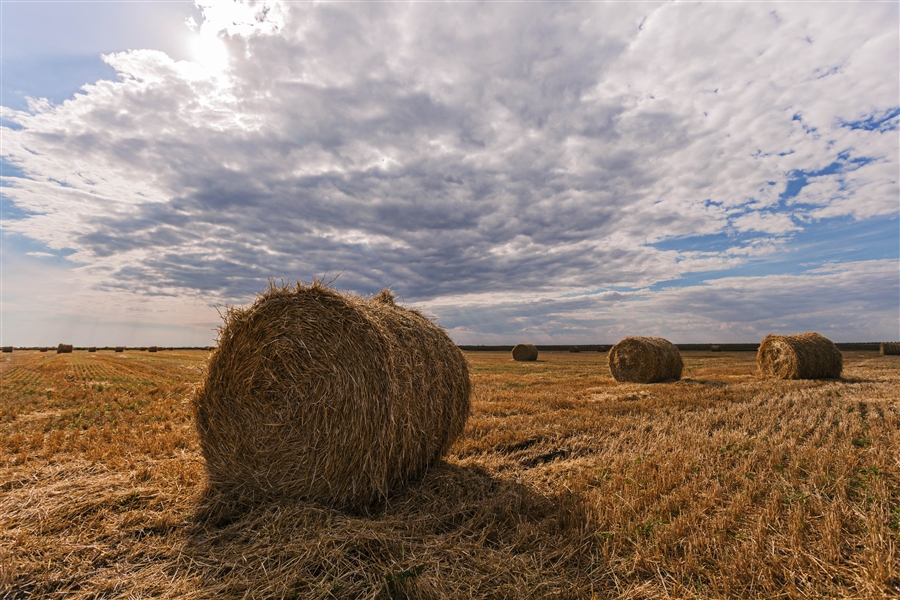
(802, 356)
(64, 349)
(645, 360)
(524, 352)
(889, 348)
(314, 394)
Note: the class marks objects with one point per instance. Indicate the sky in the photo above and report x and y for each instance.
(553, 173)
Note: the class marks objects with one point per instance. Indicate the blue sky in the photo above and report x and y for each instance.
(552, 173)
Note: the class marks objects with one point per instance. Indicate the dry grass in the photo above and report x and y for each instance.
(565, 484)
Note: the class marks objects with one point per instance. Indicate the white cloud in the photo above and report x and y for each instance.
(855, 301)
(463, 149)
(775, 223)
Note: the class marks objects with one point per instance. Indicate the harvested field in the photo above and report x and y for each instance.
(565, 484)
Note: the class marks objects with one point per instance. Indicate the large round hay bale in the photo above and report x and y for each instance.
(645, 360)
(152, 349)
(92, 349)
(7, 348)
(524, 352)
(64, 349)
(888, 348)
(120, 348)
(802, 356)
(331, 397)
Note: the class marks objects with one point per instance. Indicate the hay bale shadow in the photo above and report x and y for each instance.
(703, 382)
(414, 544)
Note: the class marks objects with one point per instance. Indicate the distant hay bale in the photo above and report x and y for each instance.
(120, 348)
(645, 360)
(889, 348)
(802, 356)
(92, 349)
(715, 348)
(331, 397)
(64, 349)
(45, 349)
(602, 348)
(574, 349)
(7, 348)
(524, 352)
(152, 349)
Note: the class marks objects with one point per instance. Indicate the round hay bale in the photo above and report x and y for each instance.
(152, 349)
(574, 349)
(7, 348)
(45, 349)
(340, 399)
(802, 356)
(715, 348)
(645, 360)
(64, 349)
(524, 352)
(889, 348)
(120, 348)
(92, 349)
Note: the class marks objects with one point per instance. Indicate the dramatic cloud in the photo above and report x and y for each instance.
(838, 301)
(514, 168)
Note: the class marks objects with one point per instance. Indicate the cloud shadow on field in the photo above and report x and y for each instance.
(453, 520)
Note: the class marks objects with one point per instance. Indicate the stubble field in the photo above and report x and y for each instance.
(565, 484)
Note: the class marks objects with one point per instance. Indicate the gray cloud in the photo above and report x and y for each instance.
(456, 149)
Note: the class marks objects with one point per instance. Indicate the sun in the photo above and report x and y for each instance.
(210, 53)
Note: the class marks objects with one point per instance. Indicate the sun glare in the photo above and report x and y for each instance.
(210, 53)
